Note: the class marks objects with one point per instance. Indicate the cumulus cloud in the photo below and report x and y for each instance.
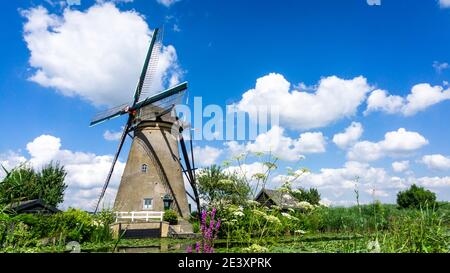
(247, 170)
(96, 54)
(395, 143)
(112, 136)
(167, 3)
(276, 142)
(434, 182)
(86, 172)
(333, 99)
(206, 156)
(400, 166)
(436, 162)
(350, 136)
(9, 160)
(340, 183)
(444, 3)
(421, 97)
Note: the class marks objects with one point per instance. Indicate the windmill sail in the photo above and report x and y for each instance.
(109, 114)
(150, 66)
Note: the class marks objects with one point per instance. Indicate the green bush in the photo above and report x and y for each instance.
(102, 231)
(311, 196)
(19, 235)
(416, 197)
(417, 232)
(171, 217)
(72, 225)
(196, 227)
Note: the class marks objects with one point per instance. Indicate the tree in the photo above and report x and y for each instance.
(416, 197)
(216, 186)
(311, 196)
(24, 183)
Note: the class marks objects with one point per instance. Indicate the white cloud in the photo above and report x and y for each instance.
(421, 97)
(395, 143)
(206, 156)
(374, 2)
(333, 99)
(112, 136)
(444, 3)
(439, 67)
(350, 136)
(278, 144)
(10, 160)
(167, 3)
(400, 166)
(95, 54)
(377, 193)
(247, 170)
(86, 172)
(342, 181)
(436, 162)
(434, 182)
(380, 100)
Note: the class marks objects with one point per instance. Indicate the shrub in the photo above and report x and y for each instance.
(417, 232)
(171, 217)
(416, 197)
(102, 221)
(19, 235)
(311, 196)
(72, 225)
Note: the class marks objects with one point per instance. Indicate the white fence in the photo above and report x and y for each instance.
(139, 216)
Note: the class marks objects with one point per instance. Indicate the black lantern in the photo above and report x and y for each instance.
(167, 201)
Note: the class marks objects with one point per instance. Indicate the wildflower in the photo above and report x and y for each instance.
(238, 214)
(197, 247)
(254, 248)
(299, 231)
(272, 219)
(374, 246)
(258, 213)
(252, 203)
(275, 207)
(189, 249)
(290, 217)
(305, 205)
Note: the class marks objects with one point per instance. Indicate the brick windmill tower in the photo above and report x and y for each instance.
(153, 177)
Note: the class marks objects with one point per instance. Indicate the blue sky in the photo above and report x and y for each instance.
(222, 48)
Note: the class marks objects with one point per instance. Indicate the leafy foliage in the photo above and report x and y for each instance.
(171, 217)
(416, 197)
(217, 187)
(24, 183)
(311, 196)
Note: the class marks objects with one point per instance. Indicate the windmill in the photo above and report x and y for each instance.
(153, 175)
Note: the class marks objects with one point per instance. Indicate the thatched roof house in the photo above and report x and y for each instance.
(35, 206)
(283, 200)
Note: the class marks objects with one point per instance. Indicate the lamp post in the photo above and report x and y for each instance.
(167, 200)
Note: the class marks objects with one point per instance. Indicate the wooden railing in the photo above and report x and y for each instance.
(139, 215)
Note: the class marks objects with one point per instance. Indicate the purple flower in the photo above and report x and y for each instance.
(218, 225)
(189, 249)
(209, 232)
(197, 247)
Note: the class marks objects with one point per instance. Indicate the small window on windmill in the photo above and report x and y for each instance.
(148, 203)
(144, 168)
